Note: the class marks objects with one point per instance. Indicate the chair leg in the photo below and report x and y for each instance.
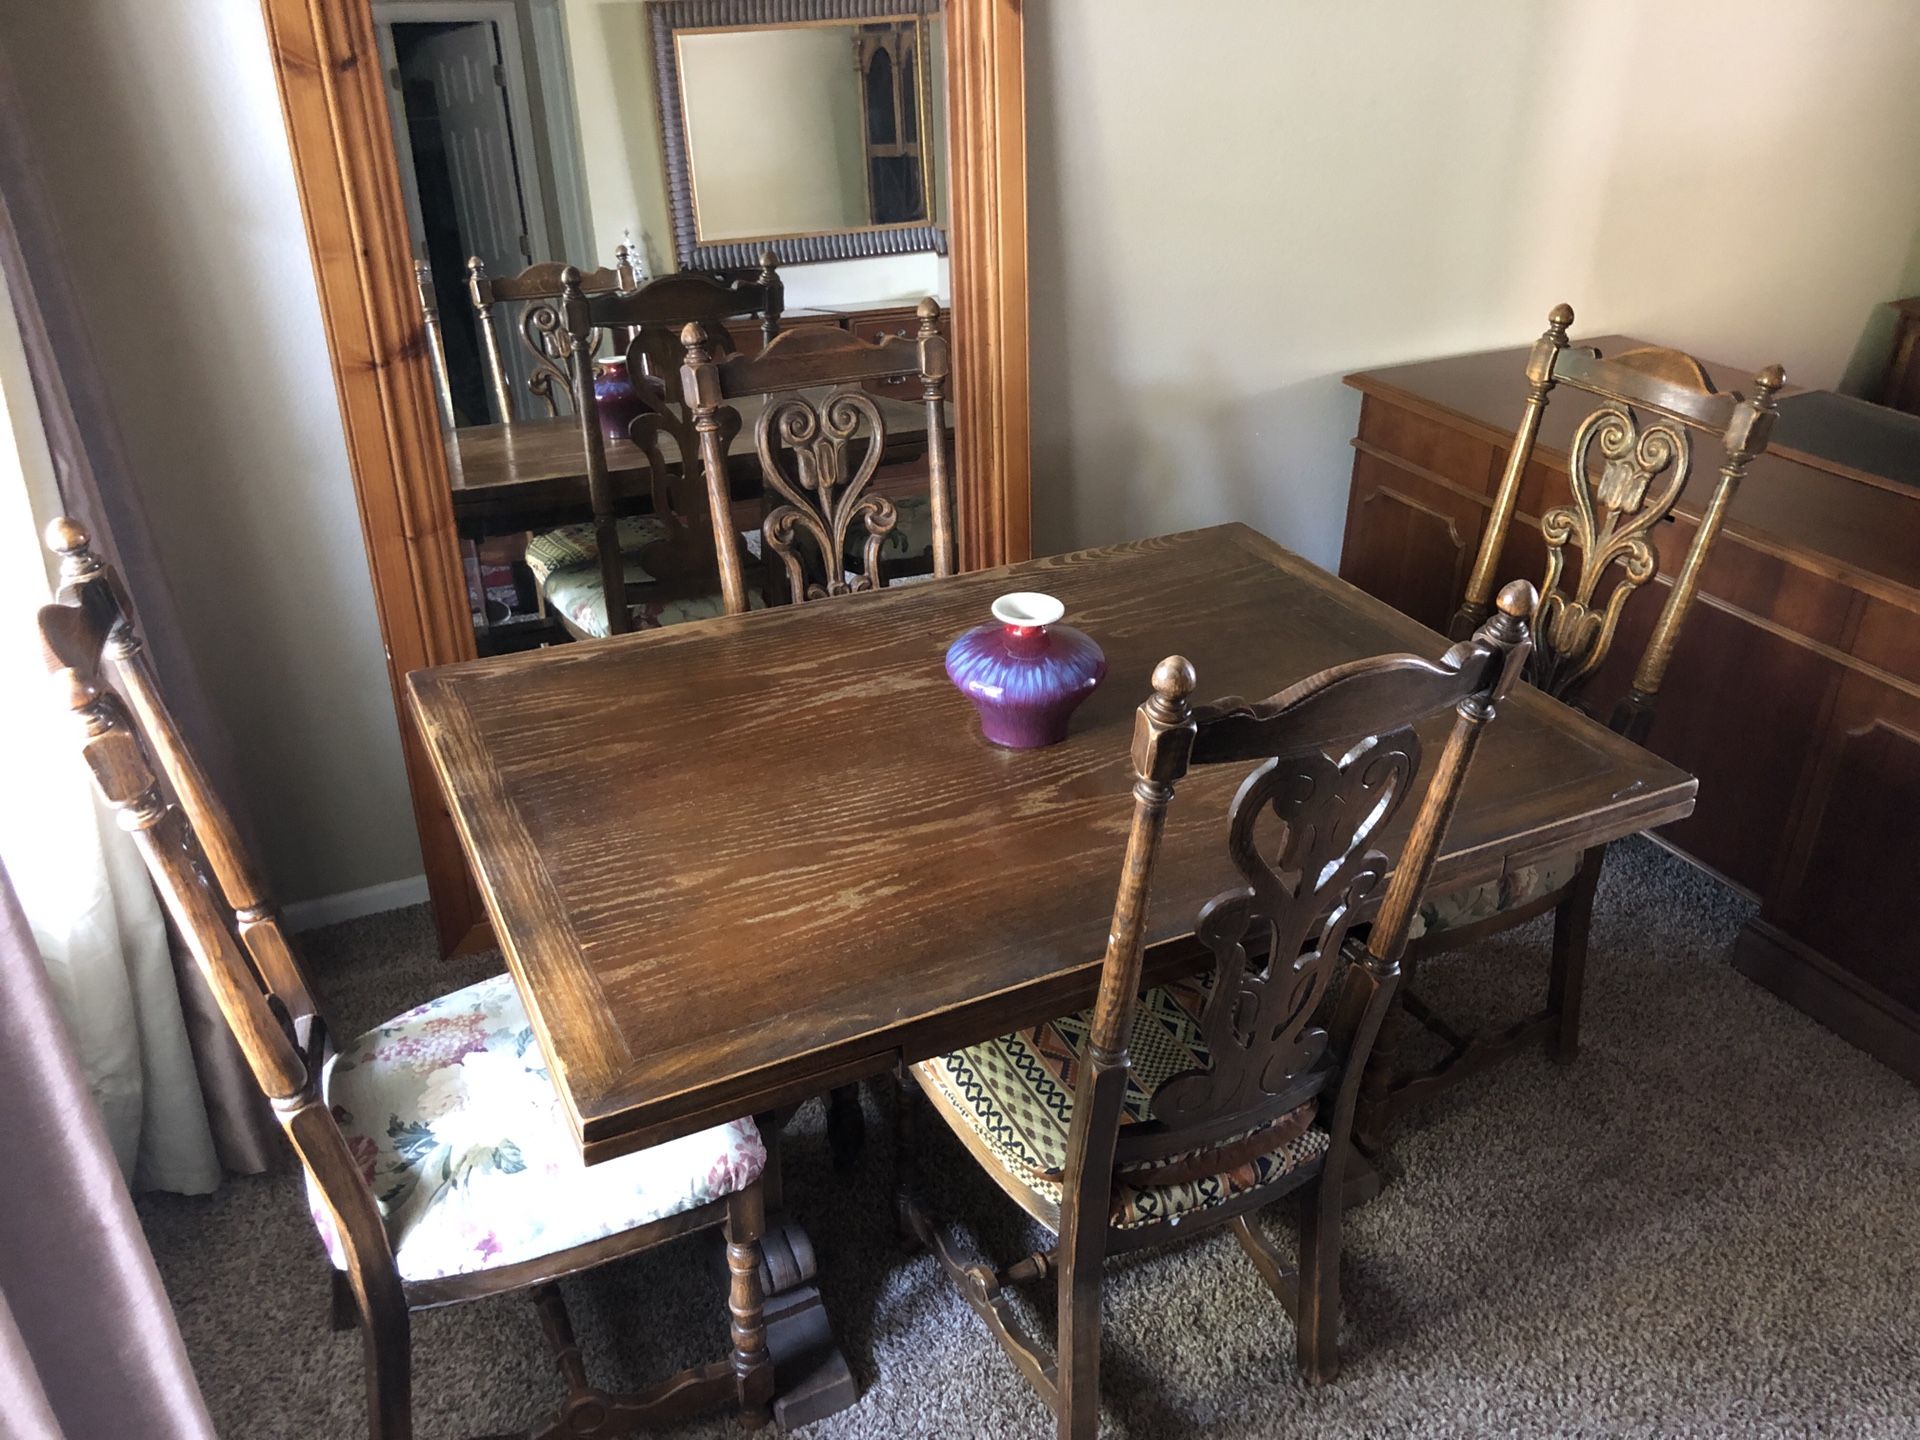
(1567, 980)
(1317, 1324)
(752, 1366)
(905, 1155)
(386, 1335)
(846, 1126)
(344, 1313)
(1077, 1393)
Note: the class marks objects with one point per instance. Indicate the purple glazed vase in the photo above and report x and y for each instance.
(1028, 673)
(614, 397)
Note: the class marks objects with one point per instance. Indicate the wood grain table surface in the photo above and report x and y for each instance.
(531, 463)
(734, 862)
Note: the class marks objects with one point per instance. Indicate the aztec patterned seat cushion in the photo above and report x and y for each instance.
(1479, 902)
(1016, 1094)
(458, 1131)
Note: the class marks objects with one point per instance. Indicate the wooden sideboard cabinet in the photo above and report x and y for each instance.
(1795, 690)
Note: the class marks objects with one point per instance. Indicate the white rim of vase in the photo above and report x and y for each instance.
(1028, 609)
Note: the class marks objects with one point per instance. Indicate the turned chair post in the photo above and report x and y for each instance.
(436, 342)
(1546, 350)
(1162, 742)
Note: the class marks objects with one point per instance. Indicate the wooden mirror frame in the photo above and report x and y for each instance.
(672, 18)
(346, 170)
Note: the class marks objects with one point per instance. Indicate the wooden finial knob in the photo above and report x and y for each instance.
(929, 311)
(1173, 679)
(769, 258)
(65, 537)
(1560, 317)
(693, 335)
(1517, 599)
(1770, 379)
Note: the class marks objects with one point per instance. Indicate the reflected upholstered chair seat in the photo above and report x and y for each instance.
(457, 1129)
(1013, 1098)
(565, 562)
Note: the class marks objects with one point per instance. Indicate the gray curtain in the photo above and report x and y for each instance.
(97, 488)
(88, 1345)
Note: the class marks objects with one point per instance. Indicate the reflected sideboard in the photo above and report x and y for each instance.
(1795, 689)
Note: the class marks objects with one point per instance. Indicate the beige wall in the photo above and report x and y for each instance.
(165, 163)
(1231, 210)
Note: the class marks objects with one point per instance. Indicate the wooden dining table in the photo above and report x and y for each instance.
(509, 472)
(734, 863)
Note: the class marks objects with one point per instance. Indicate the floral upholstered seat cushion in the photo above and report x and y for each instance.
(1016, 1095)
(578, 594)
(459, 1132)
(1517, 887)
(567, 546)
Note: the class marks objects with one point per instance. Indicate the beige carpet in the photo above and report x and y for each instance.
(1709, 1225)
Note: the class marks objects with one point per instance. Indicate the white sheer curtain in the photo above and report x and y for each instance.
(81, 883)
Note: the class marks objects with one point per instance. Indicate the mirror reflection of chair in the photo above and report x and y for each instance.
(426, 1190)
(537, 320)
(1630, 461)
(829, 531)
(536, 291)
(619, 572)
(1207, 1099)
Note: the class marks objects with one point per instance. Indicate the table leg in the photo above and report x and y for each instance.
(811, 1379)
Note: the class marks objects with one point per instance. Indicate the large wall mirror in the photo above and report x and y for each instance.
(794, 162)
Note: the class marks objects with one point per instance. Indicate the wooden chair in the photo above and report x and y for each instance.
(1205, 1100)
(436, 342)
(818, 453)
(399, 1191)
(537, 291)
(588, 573)
(1631, 459)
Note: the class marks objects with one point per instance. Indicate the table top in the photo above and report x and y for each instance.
(1851, 507)
(735, 861)
(545, 459)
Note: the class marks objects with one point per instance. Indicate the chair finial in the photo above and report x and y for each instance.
(1770, 380)
(929, 311)
(1174, 679)
(65, 536)
(1518, 598)
(1560, 319)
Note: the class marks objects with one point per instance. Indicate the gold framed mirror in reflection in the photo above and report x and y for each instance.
(815, 128)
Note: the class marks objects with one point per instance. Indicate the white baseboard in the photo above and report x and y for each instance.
(352, 904)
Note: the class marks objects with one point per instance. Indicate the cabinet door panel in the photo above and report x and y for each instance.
(1848, 889)
(1409, 541)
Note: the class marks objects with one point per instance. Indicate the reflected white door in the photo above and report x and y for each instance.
(463, 65)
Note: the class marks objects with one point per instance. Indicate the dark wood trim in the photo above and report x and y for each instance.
(1810, 982)
(345, 169)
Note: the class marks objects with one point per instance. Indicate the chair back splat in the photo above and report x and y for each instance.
(818, 451)
(1629, 464)
(544, 332)
(1338, 757)
(698, 541)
